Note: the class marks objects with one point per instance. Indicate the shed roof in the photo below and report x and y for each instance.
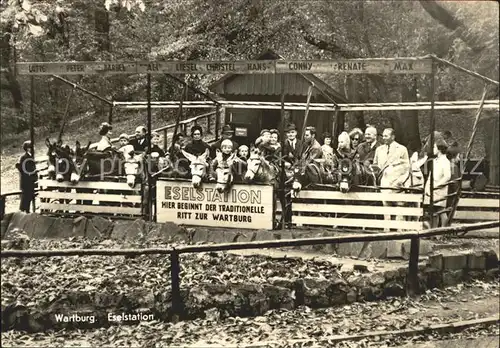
(270, 84)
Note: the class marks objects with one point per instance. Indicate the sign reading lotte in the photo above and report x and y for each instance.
(244, 206)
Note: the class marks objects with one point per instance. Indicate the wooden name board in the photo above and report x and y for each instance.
(244, 206)
(347, 66)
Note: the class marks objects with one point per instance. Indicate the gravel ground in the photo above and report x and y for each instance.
(311, 327)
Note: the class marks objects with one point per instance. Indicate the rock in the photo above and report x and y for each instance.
(4, 224)
(61, 228)
(491, 259)
(315, 292)
(394, 289)
(286, 234)
(200, 236)
(436, 261)
(42, 227)
(452, 277)
(91, 231)
(21, 221)
(350, 249)
(104, 226)
(230, 236)
(455, 262)
(279, 297)
(376, 279)
(263, 235)
(361, 268)
(476, 261)
(79, 226)
(245, 236)
(425, 248)
(391, 275)
(127, 230)
(216, 236)
(282, 282)
(172, 232)
(352, 296)
(434, 278)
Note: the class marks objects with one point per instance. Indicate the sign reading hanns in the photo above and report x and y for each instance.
(244, 206)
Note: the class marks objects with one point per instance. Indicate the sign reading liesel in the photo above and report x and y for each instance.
(243, 206)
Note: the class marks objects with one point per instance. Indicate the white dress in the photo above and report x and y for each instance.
(442, 175)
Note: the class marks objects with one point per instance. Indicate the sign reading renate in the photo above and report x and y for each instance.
(244, 206)
(348, 66)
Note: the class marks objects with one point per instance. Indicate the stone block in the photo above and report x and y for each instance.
(434, 278)
(285, 234)
(61, 228)
(91, 231)
(491, 259)
(230, 236)
(455, 262)
(395, 249)
(42, 228)
(200, 236)
(279, 297)
(216, 236)
(127, 230)
(262, 235)
(4, 224)
(350, 249)
(21, 221)
(282, 282)
(172, 232)
(352, 295)
(376, 279)
(436, 261)
(245, 236)
(425, 248)
(104, 226)
(394, 289)
(378, 249)
(476, 261)
(79, 226)
(316, 292)
(452, 277)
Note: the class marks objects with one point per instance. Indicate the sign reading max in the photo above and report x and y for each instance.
(244, 206)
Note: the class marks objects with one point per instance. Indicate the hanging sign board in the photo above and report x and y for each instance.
(357, 66)
(347, 66)
(244, 206)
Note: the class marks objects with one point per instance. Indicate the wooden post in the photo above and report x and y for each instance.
(2, 206)
(412, 281)
(430, 150)
(32, 127)
(148, 153)
(217, 121)
(282, 192)
(175, 270)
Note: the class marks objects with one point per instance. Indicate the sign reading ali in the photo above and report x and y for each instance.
(346, 66)
(244, 206)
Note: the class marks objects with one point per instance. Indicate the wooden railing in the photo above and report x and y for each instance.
(177, 304)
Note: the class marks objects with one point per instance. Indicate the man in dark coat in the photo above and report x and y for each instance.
(310, 149)
(140, 140)
(28, 176)
(197, 146)
(227, 133)
(365, 151)
(292, 144)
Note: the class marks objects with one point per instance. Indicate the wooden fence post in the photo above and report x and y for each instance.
(412, 281)
(2, 206)
(175, 270)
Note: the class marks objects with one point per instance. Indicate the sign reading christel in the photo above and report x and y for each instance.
(244, 206)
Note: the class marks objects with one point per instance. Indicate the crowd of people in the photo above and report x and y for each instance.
(366, 147)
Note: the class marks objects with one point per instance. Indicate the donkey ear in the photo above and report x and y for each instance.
(59, 142)
(77, 145)
(88, 145)
(47, 142)
(204, 156)
(189, 156)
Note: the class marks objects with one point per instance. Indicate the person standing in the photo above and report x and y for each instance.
(394, 163)
(310, 149)
(28, 177)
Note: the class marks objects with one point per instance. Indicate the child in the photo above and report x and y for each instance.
(243, 152)
(156, 150)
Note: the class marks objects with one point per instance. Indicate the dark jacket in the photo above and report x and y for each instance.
(290, 153)
(309, 152)
(158, 149)
(365, 153)
(140, 145)
(197, 147)
(27, 170)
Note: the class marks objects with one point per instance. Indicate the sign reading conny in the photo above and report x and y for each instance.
(347, 66)
(243, 206)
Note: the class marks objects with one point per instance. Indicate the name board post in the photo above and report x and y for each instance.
(243, 207)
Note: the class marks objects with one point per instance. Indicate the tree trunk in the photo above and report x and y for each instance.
(102, 27)
(409, 134)
(352, 89)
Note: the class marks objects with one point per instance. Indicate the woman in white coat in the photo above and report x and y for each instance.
(442, 175)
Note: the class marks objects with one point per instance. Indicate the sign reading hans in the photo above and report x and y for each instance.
(243, 206)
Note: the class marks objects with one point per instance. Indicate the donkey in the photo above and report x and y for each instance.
(60, 162)
(259, 170)
(353, 173)
(310, 173)
(226, 171)
(198, 166)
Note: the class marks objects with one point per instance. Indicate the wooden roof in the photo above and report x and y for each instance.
(270, 84)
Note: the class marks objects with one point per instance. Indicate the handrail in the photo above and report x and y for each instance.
(252, 245)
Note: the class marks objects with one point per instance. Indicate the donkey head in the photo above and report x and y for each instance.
(198, 166)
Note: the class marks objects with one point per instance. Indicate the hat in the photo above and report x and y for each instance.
(274, 131)
(439, 141)
(290, 127)
(105, 128)
(227, 129)
(26, 145)
(123, 136)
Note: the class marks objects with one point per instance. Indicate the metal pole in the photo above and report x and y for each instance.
(32, 126)
(430, 150)
(412, 283)
(65, 115)
(282, 162)
(148, 152)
